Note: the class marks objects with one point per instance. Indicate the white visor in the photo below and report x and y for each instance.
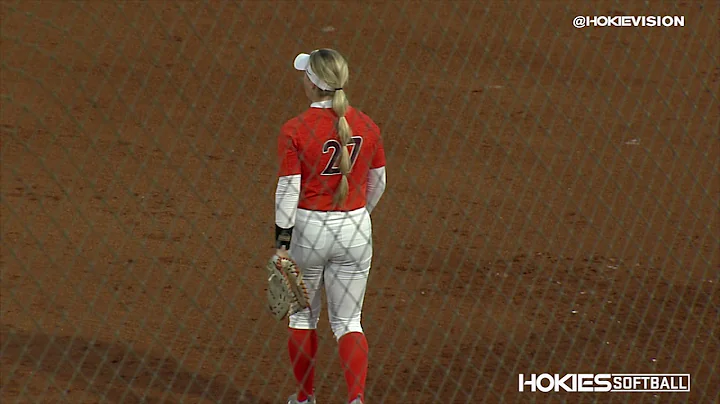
(302, 63)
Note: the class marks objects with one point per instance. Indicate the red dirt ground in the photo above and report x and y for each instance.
(552, 200)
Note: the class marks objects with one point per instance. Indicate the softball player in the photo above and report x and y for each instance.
(331, 176)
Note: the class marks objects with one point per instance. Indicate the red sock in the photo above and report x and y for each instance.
(302, 346)
(354, 358)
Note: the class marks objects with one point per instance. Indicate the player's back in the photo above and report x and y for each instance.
(313, 136)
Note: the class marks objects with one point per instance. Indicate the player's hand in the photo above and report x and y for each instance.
(282, 253)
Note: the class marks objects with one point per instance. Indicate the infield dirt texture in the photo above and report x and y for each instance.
(551, 205)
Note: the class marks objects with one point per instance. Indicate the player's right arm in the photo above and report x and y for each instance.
(377, 178)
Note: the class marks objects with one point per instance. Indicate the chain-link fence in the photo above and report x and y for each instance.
(552, 200)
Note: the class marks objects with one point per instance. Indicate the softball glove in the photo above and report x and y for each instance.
(286, 293)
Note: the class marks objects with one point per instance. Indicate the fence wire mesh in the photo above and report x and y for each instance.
(552, 200)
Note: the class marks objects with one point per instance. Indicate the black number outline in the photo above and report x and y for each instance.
(331, 168)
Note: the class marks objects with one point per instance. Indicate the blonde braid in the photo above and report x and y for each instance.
(332, 68)
(340, 106)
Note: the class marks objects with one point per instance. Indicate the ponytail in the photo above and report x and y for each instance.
(330, 67)
(340, 106)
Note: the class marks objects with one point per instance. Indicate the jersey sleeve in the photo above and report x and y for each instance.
(288, 156)
(378, 159)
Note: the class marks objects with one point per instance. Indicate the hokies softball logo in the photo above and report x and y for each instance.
(604, 382)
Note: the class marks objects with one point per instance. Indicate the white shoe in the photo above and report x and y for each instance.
(293, 400)
(357, 401)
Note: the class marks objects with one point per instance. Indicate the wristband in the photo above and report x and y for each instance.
(283, 237)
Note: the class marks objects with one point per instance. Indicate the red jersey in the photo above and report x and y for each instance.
(308, 145)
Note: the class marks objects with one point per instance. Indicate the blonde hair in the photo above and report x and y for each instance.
(332, 68)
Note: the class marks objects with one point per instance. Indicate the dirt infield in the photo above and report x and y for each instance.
(551, 206)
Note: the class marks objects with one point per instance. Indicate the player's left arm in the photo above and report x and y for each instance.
(287, 192)
(287, 293)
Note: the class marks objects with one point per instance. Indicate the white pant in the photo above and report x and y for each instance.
(333, 249)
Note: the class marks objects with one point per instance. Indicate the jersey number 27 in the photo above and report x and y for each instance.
(332, 167)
